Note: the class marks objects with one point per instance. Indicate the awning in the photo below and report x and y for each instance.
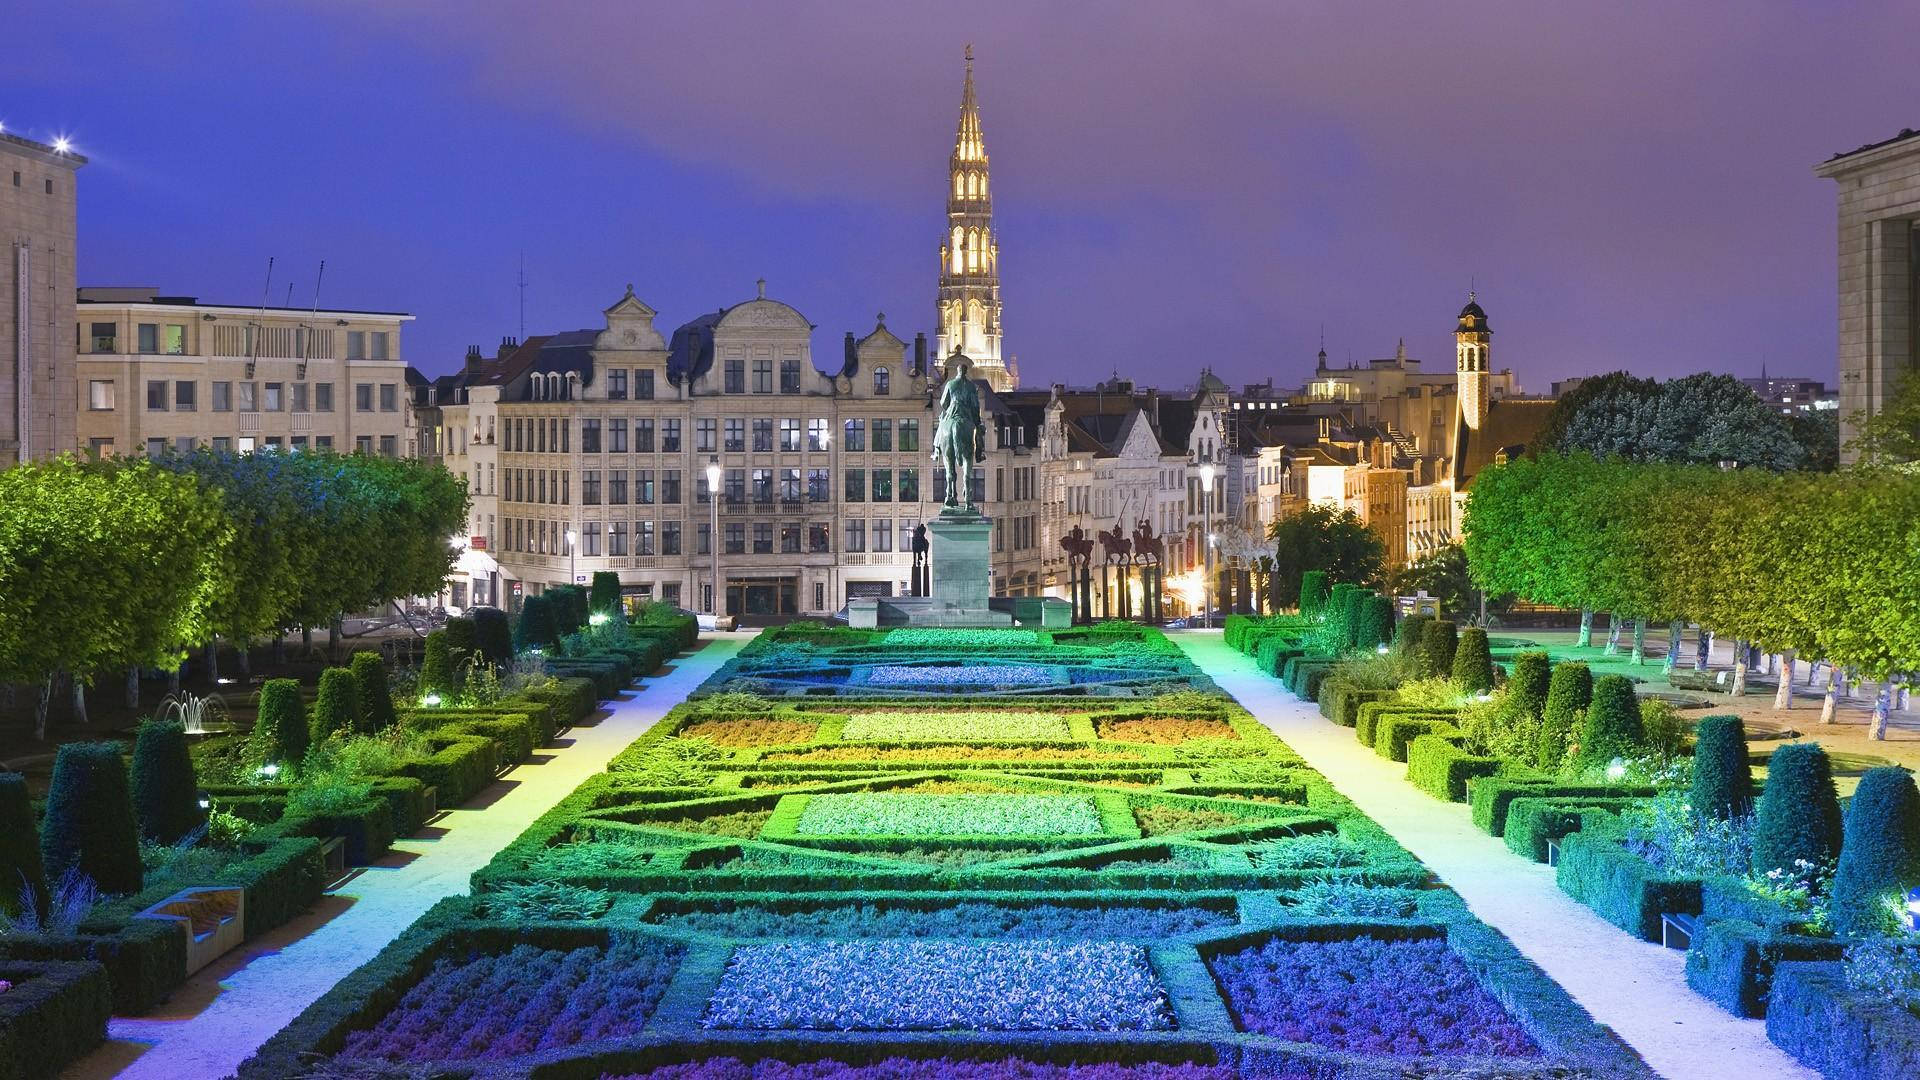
(474, 563)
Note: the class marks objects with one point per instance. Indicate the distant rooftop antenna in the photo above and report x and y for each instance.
(313, 320)
(258, 326)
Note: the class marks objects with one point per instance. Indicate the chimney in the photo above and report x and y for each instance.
(920, 353)
(852, 352)
(473, 356)
(507, 345)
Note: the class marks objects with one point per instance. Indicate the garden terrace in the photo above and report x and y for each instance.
(858, 876)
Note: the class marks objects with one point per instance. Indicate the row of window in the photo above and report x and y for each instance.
(183, 395)
(388, 445)
(646, 537)
(791, 485)
(734, 377)
(46, 183)
(170, 339)
(734, 435)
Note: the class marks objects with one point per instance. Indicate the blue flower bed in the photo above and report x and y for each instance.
(1369, 996)
(945, 638)
(480, 1007)
(961, 920)
(960, 675)
(899, 1068)
(883, 814)
(941, 986)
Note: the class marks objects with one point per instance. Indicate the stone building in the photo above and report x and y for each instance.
(1879, 261)
(157, 373)
(37, 218)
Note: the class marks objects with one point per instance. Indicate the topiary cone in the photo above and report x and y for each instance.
(1313, 592)
(1438, 639)
(493, 635)
(1528, 681)
(1722, 775)
(90, 827)
(1569, 691)
(1880, 855)
(280, 732)
(436, 667)
(1376, 623)
(21, 870)
(370, 687)
(166, 798)
(536, 630)
(337, 709)
(605, 598)
(1473, 661)
(1613, 728)
(1798, 818)
(1406, 638)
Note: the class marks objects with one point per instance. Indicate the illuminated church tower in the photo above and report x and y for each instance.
(969, 257)
(1471, 340)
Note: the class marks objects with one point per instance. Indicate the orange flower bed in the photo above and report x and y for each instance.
(948, 753)
(750, 732)
(1165, 730)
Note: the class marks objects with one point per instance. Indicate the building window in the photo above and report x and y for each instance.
(854, 436)
(643, 486)
(356, 344)
(149, 337)
(819, 485)
(389, 394)
(736, 534)
(855, 489)
(819, 596)
(389, 446)
(222, 396)
(223, 444)
(790, 485)
(790, 375)
(882, 486)
(590, 538)
(590, 487)
(617, 487)
(819, 538)
(273, 401)
(706, 433)
(906, 534)
(816, 435)
(762, 435)
(882, 382)
(909, 435)
(670, 436)
(670, 487)
(735, 486)
(703, 539)
(790, 435)
(643, 436)
(176, 339)
(736, 375)
(617, 384)
(670, 538)
(299, 397)
(882, 534)
(185, 395)
(377, 344)
(909, 485)
(363, 397)
(643, 385)
(763, 538)
(156, 447)
(856, 536)
(100, 395)
(103, 336)
(156, 395)
(323, 442)
(763, 485)
(617, 435)
(617, 539)
(323, 397)
(736, 436)
(363, 444)
(589, 436)
(882, 436)
(763, 376)
(643, 538)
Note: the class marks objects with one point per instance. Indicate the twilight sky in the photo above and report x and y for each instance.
(1176, 184)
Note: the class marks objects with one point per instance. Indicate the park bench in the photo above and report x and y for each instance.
(1677, 931)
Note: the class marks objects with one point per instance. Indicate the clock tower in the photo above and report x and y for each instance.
(969, 305)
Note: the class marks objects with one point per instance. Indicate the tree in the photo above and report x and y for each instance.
(22, 875)
(166, 800)
(1569, 692)
(1528, 683)
(1818, 433)
(1890, 436)
(1323, 538)
(1881, 852)
(1706, 419)
(90, 827)
(370, 688)
(1406, 637)
(337, 708)
(1473, 661)
(1442, 575)
(1722, 778)
(1601, 415)
(280, 731)
(1798, 819)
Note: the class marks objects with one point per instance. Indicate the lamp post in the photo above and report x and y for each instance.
(713, 501)
(1206, 492)
(573, 547)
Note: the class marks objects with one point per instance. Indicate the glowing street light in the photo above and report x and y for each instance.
(573, 541)
(713, 500)
(1206, 491)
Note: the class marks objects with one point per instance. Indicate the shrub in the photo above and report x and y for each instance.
(1613, 728)
(90, 827)
(537, 629)
(1406, 637)
(1376, 623)
(22, 875)
(493, 634)
(370, 685)
(166, 801)
(1355, 607)
(1313, 592)
(337, 709)
(1568, 693)
(569, 607)
(1528, 683)
(1881, 852)
(1799, 812)
(1722, 779)
(1438, 639)
(1472, 661)
(280, 733)
(436, 669)
(605, 597)
(463, 643)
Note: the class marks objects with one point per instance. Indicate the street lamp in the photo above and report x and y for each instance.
(713, 500)
(573, 544)
(1206, 492)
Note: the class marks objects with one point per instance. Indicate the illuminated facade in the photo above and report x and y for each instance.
(969, 307)
(37, 218)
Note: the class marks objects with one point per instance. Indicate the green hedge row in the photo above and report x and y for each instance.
(1843, 1033)
(1535, 820)
(1621, 887)
(55, 1012)
(1438, 765)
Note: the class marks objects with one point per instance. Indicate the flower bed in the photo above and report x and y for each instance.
(961, 920)
(954, 753)
(960, 675)
(750, 731)
(938, 638)
(946, 1068)
(1368, 996)
(949, 815)
(901, 726)
(935, 986)
(1164, 730)
(479, 1007)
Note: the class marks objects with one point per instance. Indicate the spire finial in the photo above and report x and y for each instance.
(881, 318)
(969, 54)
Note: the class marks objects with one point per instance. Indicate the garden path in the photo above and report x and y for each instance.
(1636, 988)
(228, 1009)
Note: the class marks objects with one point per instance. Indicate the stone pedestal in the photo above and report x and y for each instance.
(960, 552)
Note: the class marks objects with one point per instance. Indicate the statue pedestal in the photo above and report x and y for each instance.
(960, 557)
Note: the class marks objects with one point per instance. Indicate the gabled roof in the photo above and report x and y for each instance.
(1509, 429)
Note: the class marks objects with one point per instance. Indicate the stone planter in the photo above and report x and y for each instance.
(212, 920)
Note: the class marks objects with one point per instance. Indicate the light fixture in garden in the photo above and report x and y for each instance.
(431, 701)
(1616, 770)
(206, 804)
(1383, 648)
(1206, 491)
(598, 618)
(573, 544)
(1913, 911)
(270, 770)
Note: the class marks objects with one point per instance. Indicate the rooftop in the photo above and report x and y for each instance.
(1905, 133)
(143, 294)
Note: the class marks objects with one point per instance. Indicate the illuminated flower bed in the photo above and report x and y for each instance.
(940, 1068)
(962, 726)
(1369, 996)
(959, 675)
(964, 920)
(935, 986)
(940, 638)
(479, 1007)
(948, 815)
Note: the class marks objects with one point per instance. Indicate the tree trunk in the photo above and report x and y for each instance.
(79, 687)
(133, 688)
(1783, 698)
(1613, 633)
(174, 677)
(1831, 700)
(333, 641)
(213, 661)
(1703, 651)
(1881, 700)
(1639, 642)
(1586, 629)
(246, 657)
(1676, 630)
(306, 642)
(1739, 669)
(42, 703)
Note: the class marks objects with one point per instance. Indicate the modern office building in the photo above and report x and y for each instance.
(37, 218)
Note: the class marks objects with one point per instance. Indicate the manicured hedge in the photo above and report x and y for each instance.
(1491, 798)
(1367, 719)
(1341, 703)
(1439, 766)
(55, 1012)
(1843, 1033)
(460, 767)
(19, 846)
(1732, 962)
(1397, 730)
(1621, 887)
(1533, 821)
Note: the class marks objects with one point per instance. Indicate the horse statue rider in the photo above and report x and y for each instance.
(959, 440)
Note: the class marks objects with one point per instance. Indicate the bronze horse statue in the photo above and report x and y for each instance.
(1078, 545)
(1114, 545)
(1146, 546)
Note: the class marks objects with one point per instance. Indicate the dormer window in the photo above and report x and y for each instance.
(882, 382)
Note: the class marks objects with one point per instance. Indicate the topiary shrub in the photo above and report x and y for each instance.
(569, 607)
(605, 597)
(1472, 661)
(1406, 639)
(1722, 778)
(493, 634)
(166, 798)
(536, 629)
(1568, 692)
(1376, 623)
(21, 871)
(337, 709)
(1438, 639)
(90, 827)
(1881, 852)
(376, 701)
(1313, 592)
(463, 645)
(436, 668)
(1527, 683)
(1613, 728)
(280, 732)
(1798, 818)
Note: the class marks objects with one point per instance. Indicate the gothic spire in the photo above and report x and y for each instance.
(969, 304)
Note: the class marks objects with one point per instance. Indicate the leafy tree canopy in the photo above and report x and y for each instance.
(1323, 538)
(1702, 419)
